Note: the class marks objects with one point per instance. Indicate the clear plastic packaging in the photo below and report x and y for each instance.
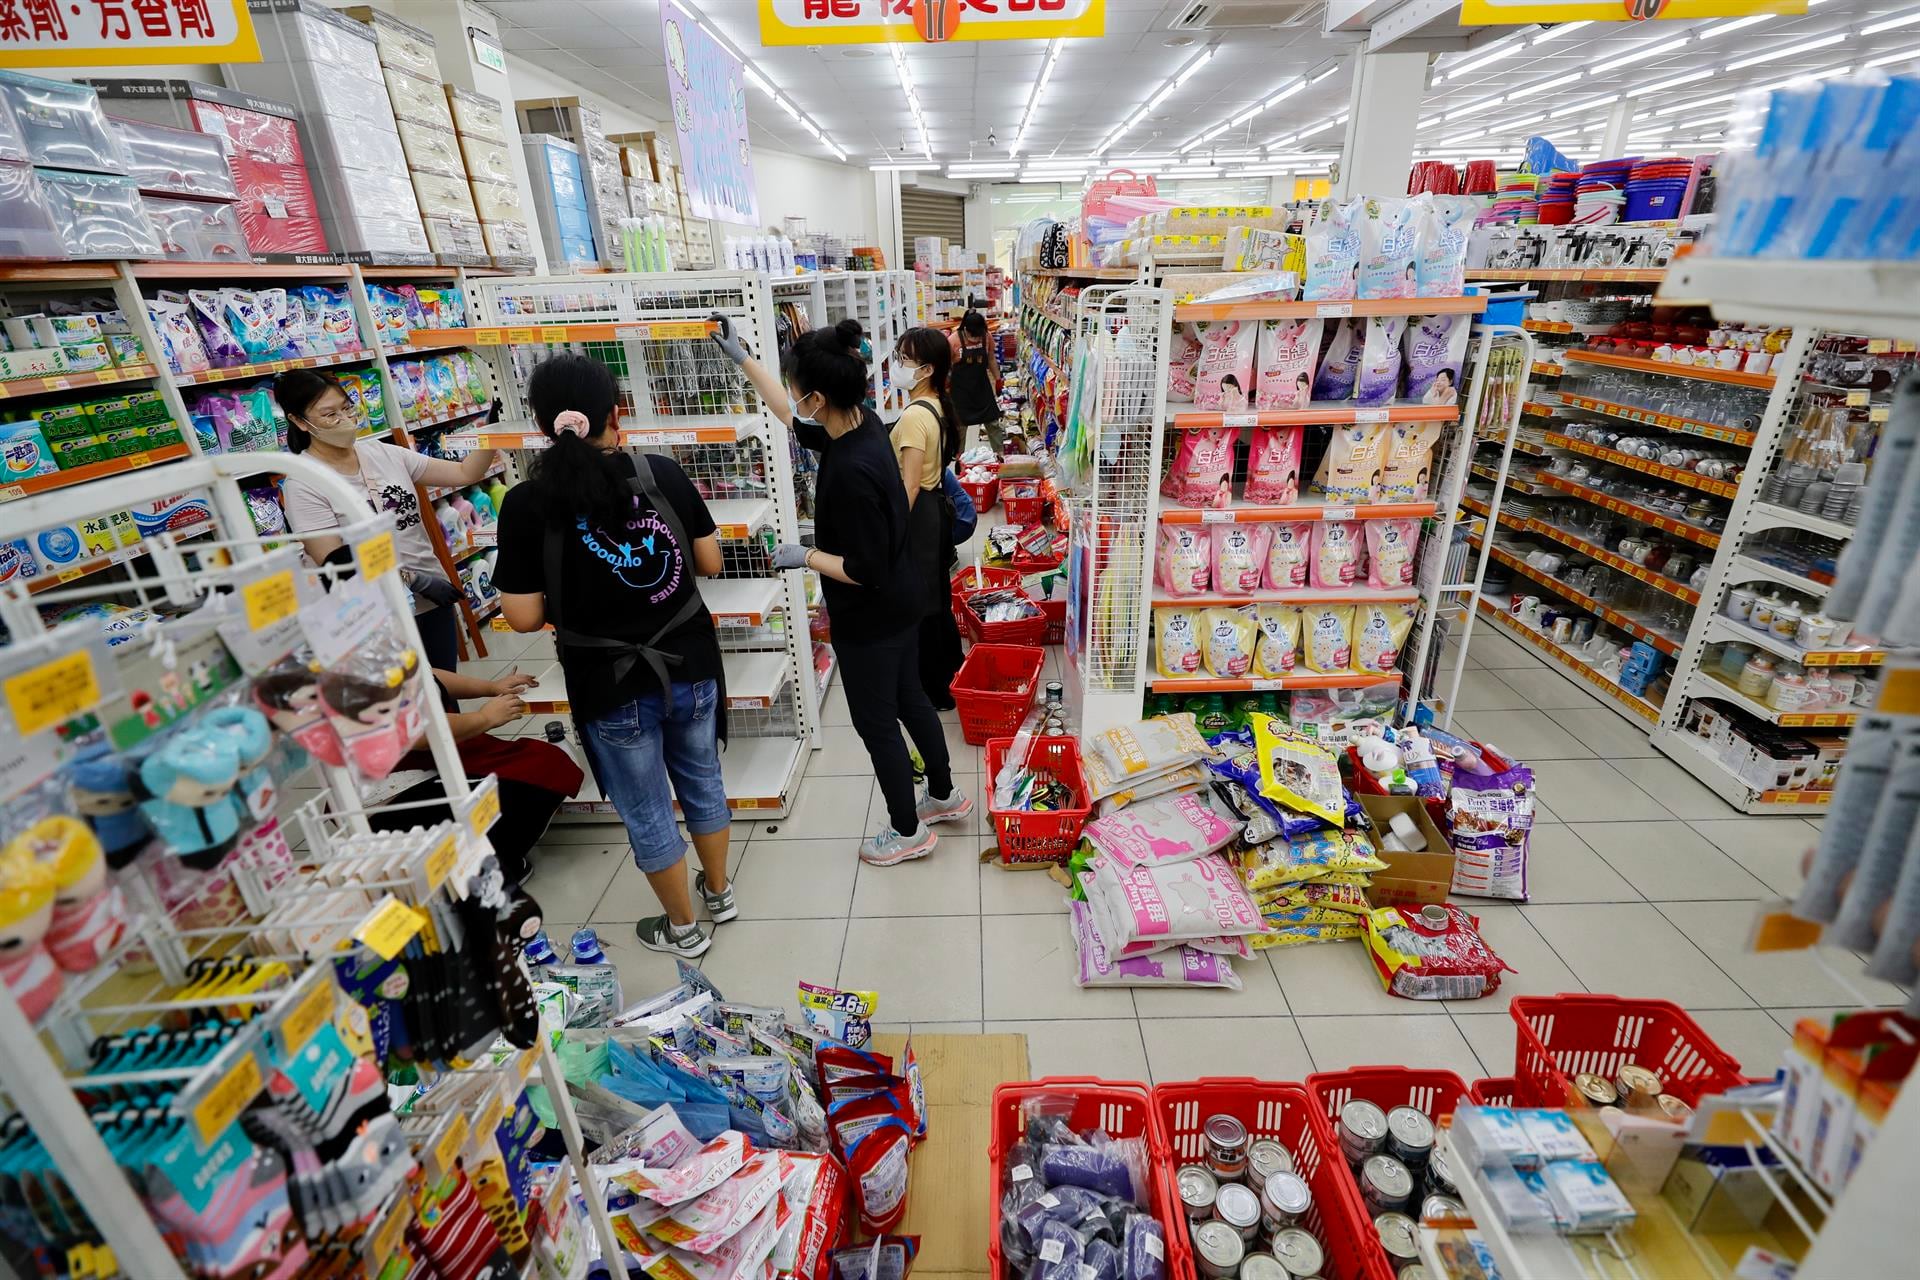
(197, 230)
(417, 98)
(13, 141)
(486, 160)
(26, 219)
(404, 46)
(62, 124)
(99, 215)
(476, 116)
(175, 161)
(434, 150)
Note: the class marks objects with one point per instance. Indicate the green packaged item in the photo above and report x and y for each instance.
(1210, 714)
(158, 437)
(122, 441)
(77, 451)
(148, 407)
(65, 421)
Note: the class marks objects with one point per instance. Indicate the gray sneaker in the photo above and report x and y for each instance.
(890, 847)
(720, 906)
(661, 934)
(952, 809)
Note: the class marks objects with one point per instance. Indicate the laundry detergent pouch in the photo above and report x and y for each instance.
(1336, 549)
(1389, 243)
(1224, 377)
(1285, 357)
(847, 1016)
(1273, 466)
(1436, 352)
(207, 309)
(1379, 633)
(1380, 360)
(1227, 640)
(1405, 475)
(1239, 557)
(1445, 224)
(1201, 474)
(1176, 966)
(1391, 546)
(1182, 365)
(1162, 830)
(1333, 252)
(1176, 634)
(1184, 559)
(1340, 360)
(1288, 555)
(1198, 899)
(1277, 649)
(1489, 823)
(180, 339)
(1326, 637)
(1298, 772)
(1351, 466)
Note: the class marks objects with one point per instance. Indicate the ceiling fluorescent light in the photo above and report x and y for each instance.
(1718, 29)
(787, 107)
(892, 166)
(1790, 50)
(1473, 108)
(1583, 106)
(1557, 30)
(758, 81)
(1323, 73)
(1526, 91)
(1187, 73)
(1647, 49)
(1280, 97)
(1247, 115)
(1678, 107)
(985, 171)
(1503, 49)
(1894, 23)
(1648, 90)
(1825, 74)
(1901, 56)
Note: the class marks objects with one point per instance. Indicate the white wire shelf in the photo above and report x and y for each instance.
(1746, 564)
(1876, 298)
(1766, 515)
(758, 774)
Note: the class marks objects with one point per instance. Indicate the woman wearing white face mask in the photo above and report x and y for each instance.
(926, 440)
(322, 423)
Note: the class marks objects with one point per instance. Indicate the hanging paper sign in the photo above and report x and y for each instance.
(1506, 13)
(708, 90)
(791, 22)
(125, 33)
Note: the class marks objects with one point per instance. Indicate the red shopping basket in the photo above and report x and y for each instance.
(1023, 500)
(986, 577)
(1434, 1093)
(984, 493)
(1287, 1114)
(1028, 835)
(1121, 1109)
(1028, 630)
(1056, 611)
(1493, 1091)
(1565, 1035)
(993, 689)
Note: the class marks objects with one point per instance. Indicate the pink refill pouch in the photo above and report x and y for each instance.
(1288, 554)
(1273, 466)
(1337, 548)
(1239, 557)
(1201, 474)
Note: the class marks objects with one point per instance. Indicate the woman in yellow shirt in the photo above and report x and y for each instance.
(926, 440)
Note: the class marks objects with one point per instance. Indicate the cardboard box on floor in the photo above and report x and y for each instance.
(948, 1191)
(1411, 879)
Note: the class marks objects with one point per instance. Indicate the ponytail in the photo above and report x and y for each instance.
(582, 478)
(929, 347)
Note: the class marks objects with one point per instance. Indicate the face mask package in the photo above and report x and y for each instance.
(1201, 474)
(1380, 360)
(1285, 355)
(1436, 349)
(1333, 252)
(1352, 464)
(1340, 361)
(1288, 555)
(1182, 365)
(1391, 547)
(1406, 474)
(1228, 641)
(1182, 565)
(1489, 821)
(1389, 242)
(1380, 631)
(1225, 373)
(1239, 557)
(1337, 547)
(1273, 466)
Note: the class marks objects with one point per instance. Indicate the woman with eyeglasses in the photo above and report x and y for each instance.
(323, 424)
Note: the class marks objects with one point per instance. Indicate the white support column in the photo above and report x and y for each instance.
(1613, 140)
(1378, 151)
(886, 212)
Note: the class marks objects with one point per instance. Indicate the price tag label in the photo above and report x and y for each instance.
(269, 600)
(390, 928)
(80, 1262)
(522, 335)
(486, 337)
(1217, 517)
(53, 692)
(553, 333)
(392, 1233)
(1336, 513)
(227, 1099)
(533, 442)
(523, 1066)
(376, 556)
(660, 437)
(135, 461)
(276, 366)
(440, 860)
(1879, 346)
(1265, 685)
(306, 1018)
(1369, 415)
(452, 1142)
(1239, 420)
(68, 575)
(1327, 310)
(485, 812)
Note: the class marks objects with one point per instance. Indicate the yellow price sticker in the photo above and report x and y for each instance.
(486, 337)
(387, 1237)
(520, 335)
(376, 556)
(524, 1067)
(390, 928)
(68, 575)
(80, 1262)
(486, 812)
(451, 1143)
(305, 1019)
(53, 692)
(227, 1099)
(490, 1117)
(440, 862)
(553, 333)
(680, 329)
(269, 600)
(104, 1263)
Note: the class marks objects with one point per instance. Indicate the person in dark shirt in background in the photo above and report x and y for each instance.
(874, 592)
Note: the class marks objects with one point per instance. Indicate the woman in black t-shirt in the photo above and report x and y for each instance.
(875, 593)
(605, 546)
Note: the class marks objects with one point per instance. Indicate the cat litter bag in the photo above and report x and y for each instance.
(1288, 555)
(1392, 544)
(1201, 473)
(1284, 356)
(1326, 637)
(1176, 636)
(1151, 747)
(1436, 349)
(1202, 898)
(1182, 363)
(1227, 637)
(1307, 857)
(1333, 251)
(1224, 379)
(1176, 966)
(1389, 243)
(1380, 632)
(1489, 824)
(1337, 548)
(1277, 649)
(1352, 465)
(1340, 361)
(1239, 557)
(1273, 466)
(1183, 563)
(1380, 360)
(1298, 772)
(1165, 829)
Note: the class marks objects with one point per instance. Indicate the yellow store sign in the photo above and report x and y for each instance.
(1507, 13)
(124, 33)
(806, 22)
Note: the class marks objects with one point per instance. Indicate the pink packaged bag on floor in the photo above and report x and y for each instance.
(1160, 831)
(1337, 546)
(1225, 376)
(1182, 364)
(1169, 966)
(1183, 558)
(1391, 547)
(1239, 557)
(1202, 898)
(1285, 356)
(1273, 466)
(1288, 555)
(1201, 474)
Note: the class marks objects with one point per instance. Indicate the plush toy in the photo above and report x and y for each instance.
(88, 913)
(26, 909)
(373, 703)
(191, 779)
(252, 740)
(289, 693)
(102, 789)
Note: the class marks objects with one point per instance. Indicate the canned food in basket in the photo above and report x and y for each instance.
(1226, 1148)
(1239, 1208)
(1638, 1086)
(1397, 1237)
(1284, 1201)
(1440, 1175)
(1385, 1184)
(1217, 1250)
(1299, 1252)
(1262, 1266)
(1362, 1128)
(1673, 1108)
(1414, 1271)
(1409, 1136)
(1265, 1157)
(1436, 1207)
(1596, 1089)
(1197, 1191)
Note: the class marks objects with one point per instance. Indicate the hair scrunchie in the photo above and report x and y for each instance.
(573, 421)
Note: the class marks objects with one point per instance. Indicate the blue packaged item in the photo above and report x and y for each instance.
(1640, 669)
(390, 315)
(17, 561)
(24, 451)
(59, 548)
(586, 947)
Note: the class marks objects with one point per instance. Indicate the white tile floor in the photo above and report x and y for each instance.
(1644, 884)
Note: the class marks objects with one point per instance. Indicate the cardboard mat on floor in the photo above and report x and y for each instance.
(948, 1206)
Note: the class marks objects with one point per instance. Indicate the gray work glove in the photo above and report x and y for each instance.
(790, 556)
(727, 340)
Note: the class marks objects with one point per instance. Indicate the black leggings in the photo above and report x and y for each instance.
(525, 812)
(940, 655)
(882, 679)
(440, 636)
